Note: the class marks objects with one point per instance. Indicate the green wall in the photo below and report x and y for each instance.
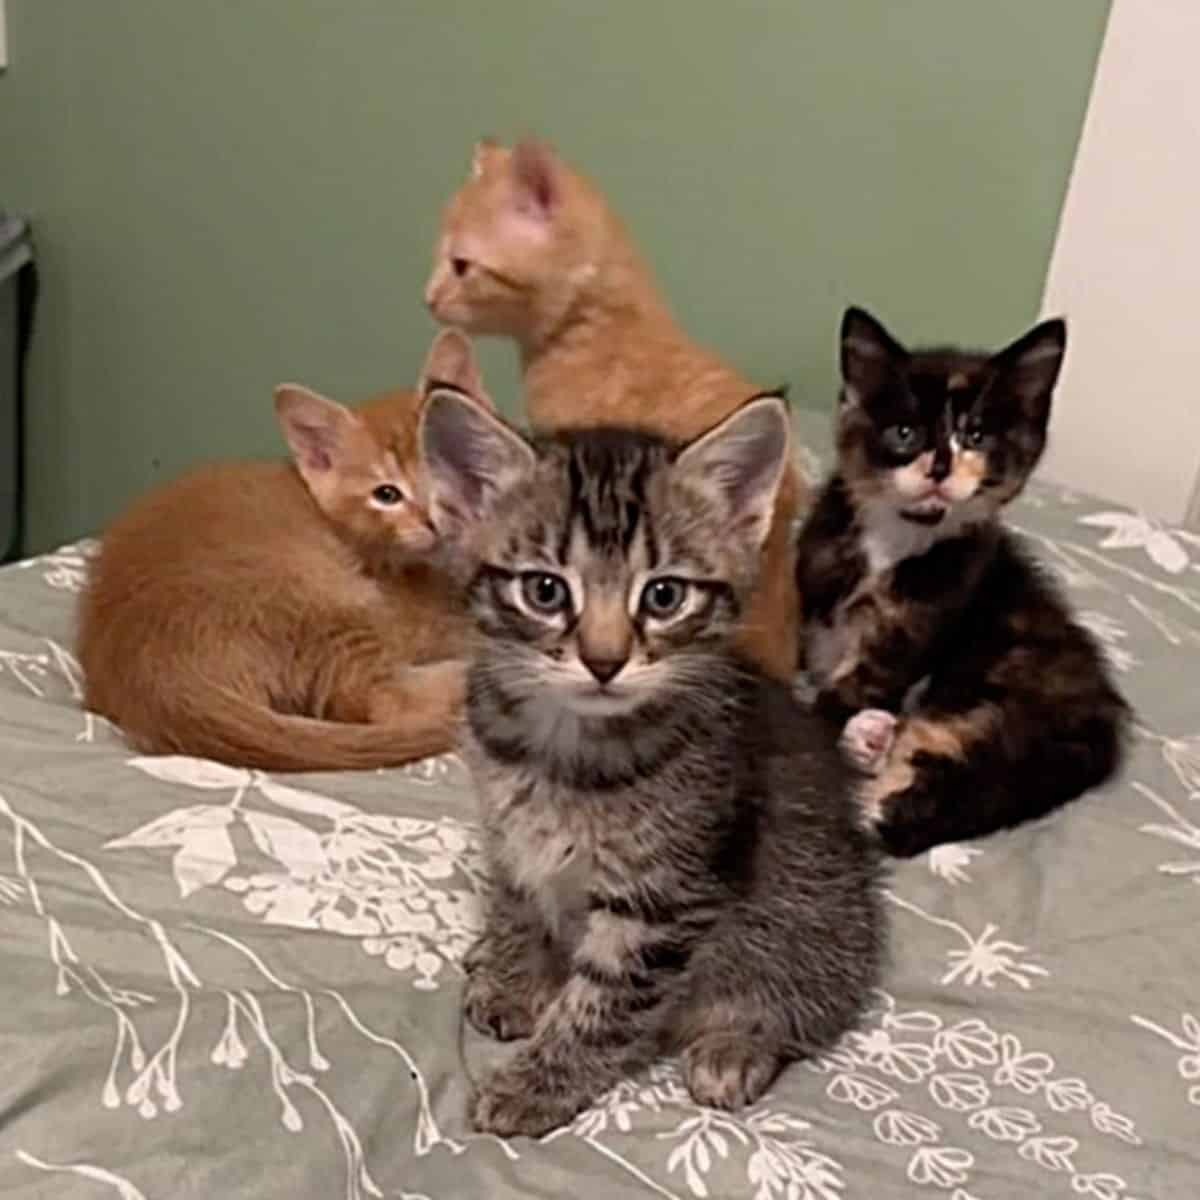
(229, 195)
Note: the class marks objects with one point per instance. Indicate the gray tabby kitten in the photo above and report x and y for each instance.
(675, 866)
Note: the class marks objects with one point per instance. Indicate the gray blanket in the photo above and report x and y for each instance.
(218, 983)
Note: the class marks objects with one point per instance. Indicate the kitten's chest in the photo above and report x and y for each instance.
(890, 540)
(542, 840)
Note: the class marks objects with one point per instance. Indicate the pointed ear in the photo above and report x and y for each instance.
(537, 176)
(486, 152)
(471, 458)
(740, 464)
(869, 355)
(451, 360)
(1028, 369)
(319, 431)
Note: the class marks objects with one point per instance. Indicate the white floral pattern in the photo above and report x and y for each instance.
(1165, 547)
(66, 568)
(1187, 1041)
(123, 1188)
(215, 934)
(983, 958)
(969, 1070)
(407, 889)
(950, 862)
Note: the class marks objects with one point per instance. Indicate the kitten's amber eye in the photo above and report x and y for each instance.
(387, 495)
(545, 593)
(662, 598)
(460, 266)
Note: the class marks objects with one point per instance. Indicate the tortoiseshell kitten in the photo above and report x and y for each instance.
(970, 697)
(672, 845)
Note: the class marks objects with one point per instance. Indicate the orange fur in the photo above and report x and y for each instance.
(531, 250)
(273, 615)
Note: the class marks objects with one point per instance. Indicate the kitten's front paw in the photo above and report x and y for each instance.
(867, 739)
(498, 1007)
(728, 1071)
(514, 1101)
(500, 1003)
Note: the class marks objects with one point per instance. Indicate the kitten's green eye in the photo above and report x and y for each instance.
(387, 495)
(974, 438)
(545, 593)
(902, 439)
(662, 598)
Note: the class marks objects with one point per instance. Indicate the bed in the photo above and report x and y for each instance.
(219, 983)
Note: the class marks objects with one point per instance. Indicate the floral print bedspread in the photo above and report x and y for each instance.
(219, 983)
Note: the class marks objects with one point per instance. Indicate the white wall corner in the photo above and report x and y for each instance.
(1126, 271)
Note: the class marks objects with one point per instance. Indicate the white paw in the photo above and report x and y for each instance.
(867, 738)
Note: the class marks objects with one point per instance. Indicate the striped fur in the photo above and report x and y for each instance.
(674, 862)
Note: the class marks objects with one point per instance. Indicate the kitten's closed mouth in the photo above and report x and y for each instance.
(602, 701)
(924, 516)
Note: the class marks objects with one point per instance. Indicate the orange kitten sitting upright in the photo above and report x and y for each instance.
(530, 250)
(287, 617)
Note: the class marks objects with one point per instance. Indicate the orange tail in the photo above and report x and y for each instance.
(208, 721)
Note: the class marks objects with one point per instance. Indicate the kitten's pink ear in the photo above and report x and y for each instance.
(739, 464)
(451, 360)
(318, 431)
(869, 355)
(537, 174)
(1029, 367)
(486, 152)
(472, 458)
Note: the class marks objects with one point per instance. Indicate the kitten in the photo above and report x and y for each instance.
(975, 701)
(531, 250)
(674, 861)
(287, 617)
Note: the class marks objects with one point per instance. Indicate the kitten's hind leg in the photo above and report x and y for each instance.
(731, 1063)
(910, 802)
(958, 775)
(769, 988)
(785, 976)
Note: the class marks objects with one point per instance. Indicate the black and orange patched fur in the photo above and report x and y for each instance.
(969, 696)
